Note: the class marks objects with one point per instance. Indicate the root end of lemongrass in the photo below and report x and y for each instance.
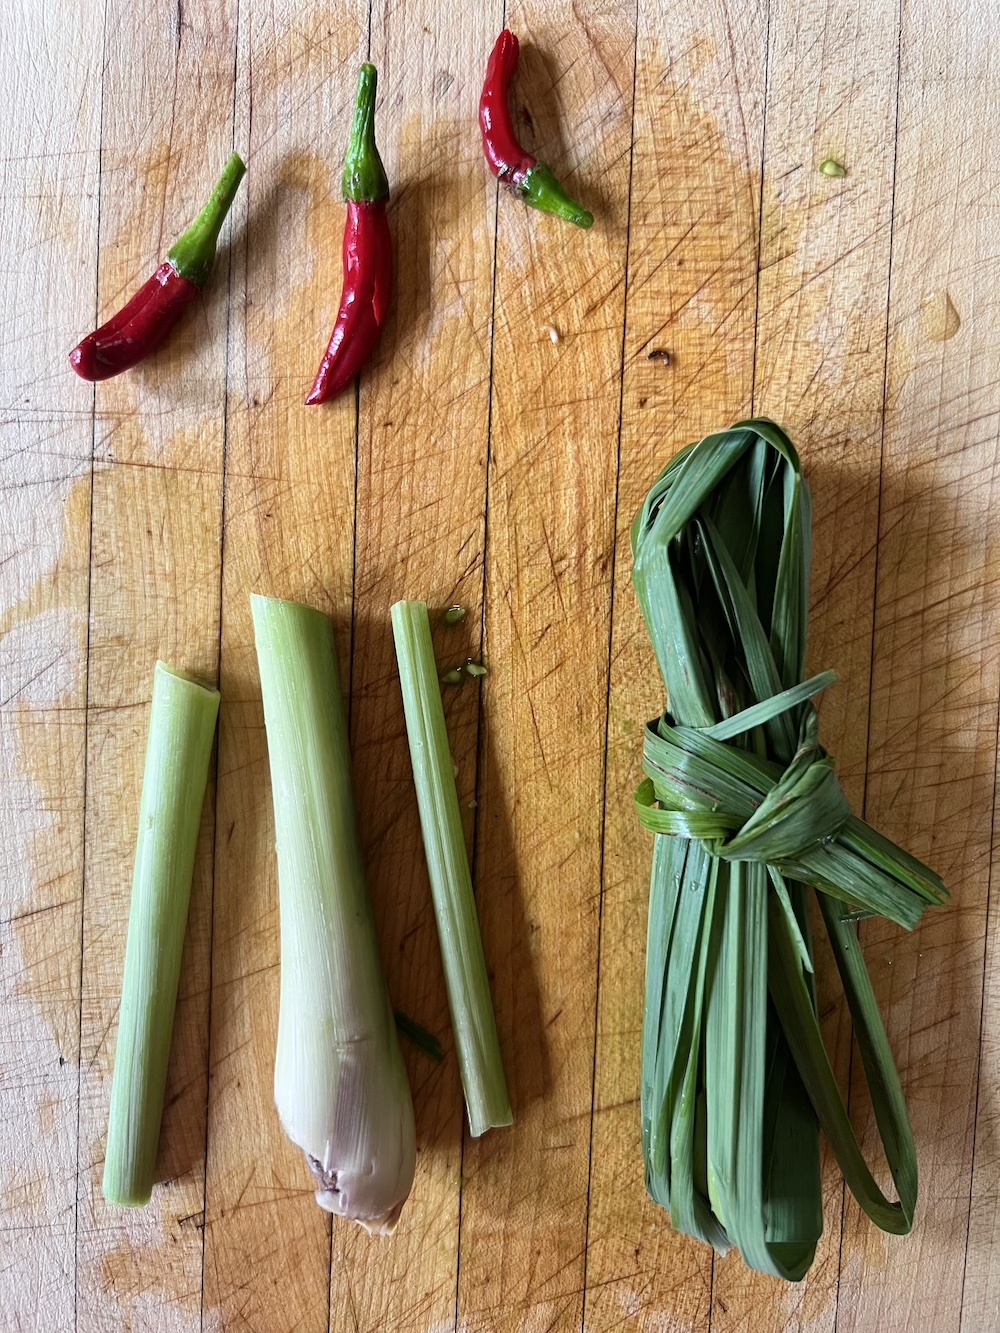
(333, 1200)
(375, 1226)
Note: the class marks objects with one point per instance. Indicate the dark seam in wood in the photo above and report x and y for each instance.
(218, 670)
(610, 661)
(760, 207)
(874, 619)
(480, 737)
(86, 689)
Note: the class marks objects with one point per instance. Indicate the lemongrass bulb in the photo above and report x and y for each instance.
(340, 1086)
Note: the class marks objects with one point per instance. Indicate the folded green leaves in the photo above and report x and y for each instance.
(746, 803)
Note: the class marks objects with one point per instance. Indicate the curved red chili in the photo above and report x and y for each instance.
(523, 175)
(147, 320)
(367, 291)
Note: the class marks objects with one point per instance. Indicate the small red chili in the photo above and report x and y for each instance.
(147, 320)
(523, 175)
(367, 291)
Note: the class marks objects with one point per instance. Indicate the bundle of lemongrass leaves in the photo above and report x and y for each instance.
(735, 1078)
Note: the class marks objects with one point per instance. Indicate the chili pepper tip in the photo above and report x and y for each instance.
(83, 361)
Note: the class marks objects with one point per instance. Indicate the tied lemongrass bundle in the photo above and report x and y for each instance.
(750, 818)
(340, 1085)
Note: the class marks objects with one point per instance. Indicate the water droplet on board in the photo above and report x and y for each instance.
(939, 318)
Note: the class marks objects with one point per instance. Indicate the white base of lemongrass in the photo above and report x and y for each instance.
(340, 1085)
(343, 1099)
(360, 1166)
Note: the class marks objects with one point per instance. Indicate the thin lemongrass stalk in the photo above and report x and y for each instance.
(340, 1085)
(178, 748)
(448, 865)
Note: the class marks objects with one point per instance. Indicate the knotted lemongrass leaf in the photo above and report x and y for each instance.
(748, 812)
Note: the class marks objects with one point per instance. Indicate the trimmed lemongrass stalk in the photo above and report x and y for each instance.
(340, 1085)
(448, 865)
(179, 745)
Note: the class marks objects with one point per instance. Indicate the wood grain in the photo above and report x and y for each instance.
(49, 171)
(546, 615)
(974, 417)
(935, 670)
(495, 453)
(154, 593)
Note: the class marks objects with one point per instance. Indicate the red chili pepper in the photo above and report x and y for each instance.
(367, 254)
(145, 323)
(523, 175)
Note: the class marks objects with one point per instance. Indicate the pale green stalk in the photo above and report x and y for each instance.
(178, 747)
(465, 973)
(340, 1085)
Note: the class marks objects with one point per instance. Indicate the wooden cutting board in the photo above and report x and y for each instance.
(500, 444)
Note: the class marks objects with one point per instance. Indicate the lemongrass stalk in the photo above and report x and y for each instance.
(340, 1085)
(178, 747)
(465, 974)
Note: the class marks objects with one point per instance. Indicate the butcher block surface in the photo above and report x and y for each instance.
(531, 382)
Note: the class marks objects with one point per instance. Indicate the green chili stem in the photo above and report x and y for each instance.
(193, 254)
(364, 178)
(542, 191)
